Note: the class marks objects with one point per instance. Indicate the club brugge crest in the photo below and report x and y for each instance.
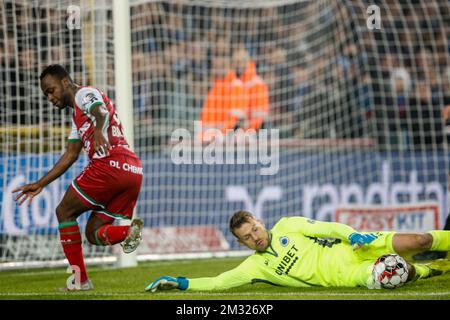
(284, 241)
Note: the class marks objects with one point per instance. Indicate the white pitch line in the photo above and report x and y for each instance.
(300, 294)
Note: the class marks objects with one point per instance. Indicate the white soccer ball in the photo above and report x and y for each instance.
(390, 271)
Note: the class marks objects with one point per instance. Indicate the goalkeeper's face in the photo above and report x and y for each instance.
(253, 234)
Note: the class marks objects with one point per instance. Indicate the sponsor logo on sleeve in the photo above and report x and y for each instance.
(89, 99)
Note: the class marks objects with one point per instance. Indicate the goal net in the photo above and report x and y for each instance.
(336, 104)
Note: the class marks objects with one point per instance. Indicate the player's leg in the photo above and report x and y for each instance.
(407, 244)
(403, 244)
(433, 254)
(411, 243)
(113, 194)
(101, 231)
(122, 205)
(431, 269)
(67, 212)
(117, 201)
(70, 207)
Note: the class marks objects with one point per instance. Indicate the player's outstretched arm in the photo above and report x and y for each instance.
(29, 191)
(242, 274)
(223, 281)
(316, 228)
(325, 229)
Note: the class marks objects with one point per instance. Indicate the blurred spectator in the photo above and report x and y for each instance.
(28, 59)
(151, 96)
(302, 103)
(141, 88)
(275, 65)
(365, 103)
(173, 28)
(446, 102)
(189, 82)
(28, 88)
(257, 89)
(143, 16)
(424, 65)
(220, 47)
(10, 81)
(220, 20)
(386, 115)
(59, 54)
(226, 103)
(271, 25)
(424, 117)
(323, 74)
(194, 60)
(401, 86)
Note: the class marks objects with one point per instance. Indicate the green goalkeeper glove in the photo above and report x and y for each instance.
(168, 283)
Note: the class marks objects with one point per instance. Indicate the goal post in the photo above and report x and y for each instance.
(123, 88)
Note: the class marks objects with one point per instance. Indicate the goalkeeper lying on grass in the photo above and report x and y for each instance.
(299, 252)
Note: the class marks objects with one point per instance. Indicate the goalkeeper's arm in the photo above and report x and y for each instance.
(323, 229)
(229, 279)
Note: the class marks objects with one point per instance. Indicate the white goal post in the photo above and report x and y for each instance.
(123, 87)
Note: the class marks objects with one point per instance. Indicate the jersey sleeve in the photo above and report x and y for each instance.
(87, 98)
(241, 275)
(73, 136)
(314, 228)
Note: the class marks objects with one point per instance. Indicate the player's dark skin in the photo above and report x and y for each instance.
(61, 93)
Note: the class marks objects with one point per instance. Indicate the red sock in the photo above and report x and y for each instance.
(109, 234)
(71, 242)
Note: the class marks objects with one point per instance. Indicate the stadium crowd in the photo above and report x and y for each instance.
(328, 75)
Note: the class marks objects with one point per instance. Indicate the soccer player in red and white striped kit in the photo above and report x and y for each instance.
(109, 186)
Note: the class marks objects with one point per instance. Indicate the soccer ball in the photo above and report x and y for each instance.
(390, 271)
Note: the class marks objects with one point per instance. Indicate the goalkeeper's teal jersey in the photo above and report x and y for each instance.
(302, 253)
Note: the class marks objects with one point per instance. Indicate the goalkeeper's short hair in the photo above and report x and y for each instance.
(238, 219)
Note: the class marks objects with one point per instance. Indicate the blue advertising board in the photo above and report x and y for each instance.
(307, 183)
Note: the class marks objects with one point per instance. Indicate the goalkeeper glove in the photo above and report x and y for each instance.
(357, 240)
(168, 283)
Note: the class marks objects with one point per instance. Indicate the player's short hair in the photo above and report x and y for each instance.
(238, 219)
(56, 70)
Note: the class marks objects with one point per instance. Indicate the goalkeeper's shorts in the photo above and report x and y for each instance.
(110, 186)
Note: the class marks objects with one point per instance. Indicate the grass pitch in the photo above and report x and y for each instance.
(129, 283)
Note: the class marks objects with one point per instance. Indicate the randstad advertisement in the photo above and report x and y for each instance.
(310, 184)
